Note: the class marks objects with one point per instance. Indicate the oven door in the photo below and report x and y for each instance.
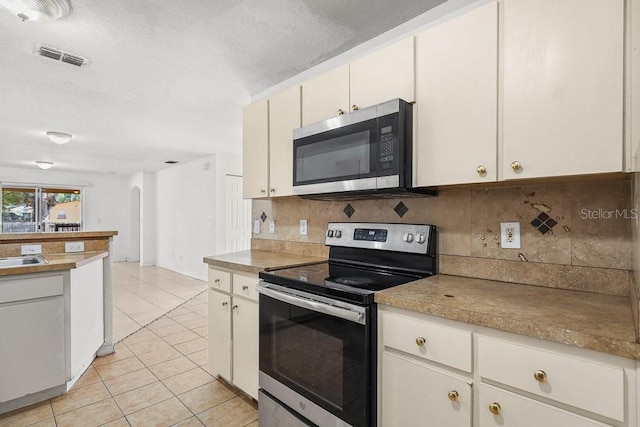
(315, 355)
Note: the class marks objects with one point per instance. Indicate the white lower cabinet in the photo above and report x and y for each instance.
(233, 330)
(415, 394)
(513, 380)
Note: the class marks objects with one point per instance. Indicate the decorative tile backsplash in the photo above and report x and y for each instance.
(585, 224)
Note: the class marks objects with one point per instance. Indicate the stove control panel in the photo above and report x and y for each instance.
(412, 238)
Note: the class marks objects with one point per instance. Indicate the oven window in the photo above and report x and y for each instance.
(343, 156)
(321, 357)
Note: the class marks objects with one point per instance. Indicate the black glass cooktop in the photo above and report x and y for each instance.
(340, 281)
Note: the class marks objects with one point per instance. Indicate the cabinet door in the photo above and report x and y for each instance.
(416, 395)
(284, 116)
(324, 95)
(33, 347)
(385, 74)
(563, 93)
(518, 411)
(245, 346)
(457, 71)
(255, 149)
(220, 333)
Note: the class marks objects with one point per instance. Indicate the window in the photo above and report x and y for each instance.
(30, 209)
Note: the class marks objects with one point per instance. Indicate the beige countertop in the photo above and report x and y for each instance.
(57, 262)
(47, 237)
(588, 320)
(253, 261)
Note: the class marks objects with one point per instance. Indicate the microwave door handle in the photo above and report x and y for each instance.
(331, 310)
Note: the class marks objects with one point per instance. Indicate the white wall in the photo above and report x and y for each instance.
(106, 199)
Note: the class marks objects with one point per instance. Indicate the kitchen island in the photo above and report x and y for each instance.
(56, 316)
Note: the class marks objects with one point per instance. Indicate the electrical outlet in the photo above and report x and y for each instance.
(30, 249)
(74, 246)
(303, 227)
(510, 235)
(256, 226)
(272, 226)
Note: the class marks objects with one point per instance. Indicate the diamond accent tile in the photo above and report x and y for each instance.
(263, 217)
(349, 210)
(401, 209)
(543, 223)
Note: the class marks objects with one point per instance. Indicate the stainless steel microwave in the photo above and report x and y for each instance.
(365, 152)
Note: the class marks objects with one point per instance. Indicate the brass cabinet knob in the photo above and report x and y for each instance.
(233, 307)
(481, 170)
(420, 341)
(516, 166)
(495, 408)
(262, 191)
(216, 280)
(540, 376)
(354, 107)
(340, 111)
(224, 304)
(272, 190)
(245, 287)
(453, 395)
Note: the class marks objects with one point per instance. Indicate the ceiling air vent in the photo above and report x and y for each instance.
(60, 55)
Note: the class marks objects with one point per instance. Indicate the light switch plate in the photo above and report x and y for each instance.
(256, 226)
(31, 249)
(74, 246)
(303, 227)
(272, 226)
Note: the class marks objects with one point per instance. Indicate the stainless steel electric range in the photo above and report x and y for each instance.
(318, 333)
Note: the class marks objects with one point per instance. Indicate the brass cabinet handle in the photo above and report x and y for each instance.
(420, 341)
(540, 376)
(233, 307)
(273, 190)
(245, 287)
(453, 395)
(516, 166)
(354, 107)
(481, 170)
(224, 304)
(340, 111)
(262, 191)
(216, 280)
(495, 408)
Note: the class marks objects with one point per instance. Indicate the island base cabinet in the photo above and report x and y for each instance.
(32, 348)
(416, 395)
(500, 408)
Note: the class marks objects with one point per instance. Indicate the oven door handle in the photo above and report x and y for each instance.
(331, 310)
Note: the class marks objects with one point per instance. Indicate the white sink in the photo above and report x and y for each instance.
(22, 261)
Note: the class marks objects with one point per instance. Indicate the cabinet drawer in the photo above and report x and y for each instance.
(442, 344)
(220, 280)
(27, 288)
(416, 395)
(245, 286)
(519, 411)
(577, 382)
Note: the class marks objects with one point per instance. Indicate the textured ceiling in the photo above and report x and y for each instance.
(166, 79)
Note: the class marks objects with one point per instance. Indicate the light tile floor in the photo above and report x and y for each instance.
(158, 376)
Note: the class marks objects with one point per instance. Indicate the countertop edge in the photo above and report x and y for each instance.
(56, 264)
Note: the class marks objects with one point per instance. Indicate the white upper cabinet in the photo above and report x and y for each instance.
(284, 116)
(255, 149)
(326, 95)
(562, 97)
(456, 110)
(385, 74)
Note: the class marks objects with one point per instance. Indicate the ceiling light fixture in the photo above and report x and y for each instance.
(59, 137)
(37, 10)
(44, 165)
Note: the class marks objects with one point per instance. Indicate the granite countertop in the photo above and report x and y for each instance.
(47, 237)
(588, 320)
(253, 261)
(57, 262)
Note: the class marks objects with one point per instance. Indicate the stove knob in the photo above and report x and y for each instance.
(408, 237)
(338, 234)
(330, 233)
(420, 238)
